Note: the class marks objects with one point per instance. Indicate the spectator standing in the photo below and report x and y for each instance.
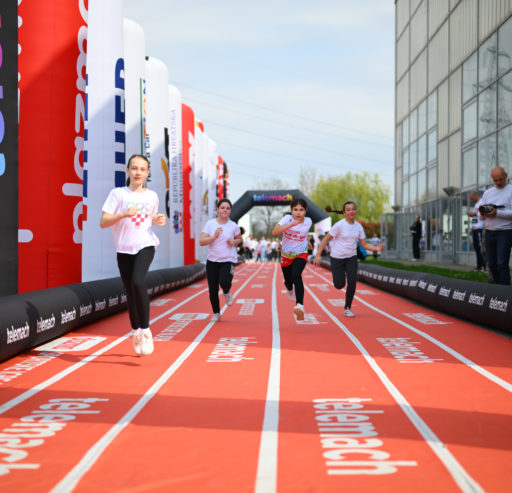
(498, 226)
(416, 236)
(477, 227)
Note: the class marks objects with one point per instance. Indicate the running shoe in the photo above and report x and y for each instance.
(146, 345)
(136, 341)
(229, 298)
(299, 311)
(216, 317)
(349, 313)
(291, 294)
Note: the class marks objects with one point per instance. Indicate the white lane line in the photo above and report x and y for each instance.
(465, 482)
(266, 475)
(64, 373)
(93, 454)
(482, 371)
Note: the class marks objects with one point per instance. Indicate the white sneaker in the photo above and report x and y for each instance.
(291, 294)
(216, 317)
(229, 298)
(349, 313)
(146, 345)
(299, 311)
(136, 341)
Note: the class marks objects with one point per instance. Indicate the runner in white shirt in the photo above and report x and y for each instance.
(294, 251)
(222, 237)
(345, 233)
(131, 211)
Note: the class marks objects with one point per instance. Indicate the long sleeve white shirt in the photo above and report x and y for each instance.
(503, 218)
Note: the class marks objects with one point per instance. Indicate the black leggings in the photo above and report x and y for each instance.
(218, 273)
(293, 278)
(133, 270)
(340, 268)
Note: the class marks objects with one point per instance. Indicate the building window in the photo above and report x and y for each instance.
(487, 108)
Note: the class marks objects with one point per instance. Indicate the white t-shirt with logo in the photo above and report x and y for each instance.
(132, 234)
(219, 250)
(345, 237)
(295, 239)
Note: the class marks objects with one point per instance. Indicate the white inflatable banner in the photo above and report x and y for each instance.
(104, 159)
(213, 161)
(157, 124)
(134, 65)
(176, 178)
(198, 188)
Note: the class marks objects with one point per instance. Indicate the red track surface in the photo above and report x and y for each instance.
(262, 403)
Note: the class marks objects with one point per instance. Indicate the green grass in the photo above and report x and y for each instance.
(428, 269)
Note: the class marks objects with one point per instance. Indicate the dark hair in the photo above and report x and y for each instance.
(130, 160)
(219, 203)
(347, 203)
(299, 201)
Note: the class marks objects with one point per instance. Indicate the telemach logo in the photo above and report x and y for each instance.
(496, 304)
(444, 292)
(458, 295)
(474, 299)
(85, 309)
(67, 316)
(432, 288)
(18, 334)
(100, 305)
(44, 324)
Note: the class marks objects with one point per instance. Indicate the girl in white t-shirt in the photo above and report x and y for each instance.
(294, 251)
(344, 235)
(131, 211)
(222, 237)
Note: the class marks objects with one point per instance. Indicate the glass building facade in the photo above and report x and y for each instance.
(453, 116)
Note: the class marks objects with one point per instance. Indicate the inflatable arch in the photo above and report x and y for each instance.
(253, 198)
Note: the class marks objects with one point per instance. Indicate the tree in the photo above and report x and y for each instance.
(308, 180)
(367, 191)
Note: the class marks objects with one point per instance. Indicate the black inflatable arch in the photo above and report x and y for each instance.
(253, 198)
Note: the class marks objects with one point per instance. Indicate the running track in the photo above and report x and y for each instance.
(399, 398)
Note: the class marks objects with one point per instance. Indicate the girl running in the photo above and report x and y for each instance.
(222, 237)
(131, 211)
(345, 234)
(294, 252)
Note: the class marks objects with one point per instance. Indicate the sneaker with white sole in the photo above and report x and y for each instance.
(146, 345)
(229, 298)
(299, 311)
(349, 313)
(291, 294)
(216, 317)
(136, 341)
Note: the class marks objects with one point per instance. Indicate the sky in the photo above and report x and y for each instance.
(282, 85)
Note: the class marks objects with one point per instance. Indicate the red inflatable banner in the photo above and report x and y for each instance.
(52, 58)
(188, 132)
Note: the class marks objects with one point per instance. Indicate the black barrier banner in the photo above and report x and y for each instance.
(9, 146)
(31, 319)
(487, 304)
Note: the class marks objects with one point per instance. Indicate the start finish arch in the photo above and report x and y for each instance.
(252, 198)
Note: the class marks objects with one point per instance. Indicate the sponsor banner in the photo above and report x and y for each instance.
(187, 133)
(134, 88)
(482, 303)
(105, 156)
(30, 319)
(52, 57)
(220, 179)
(9, 146)
(157, 124)
(176, 178)
(200, 170)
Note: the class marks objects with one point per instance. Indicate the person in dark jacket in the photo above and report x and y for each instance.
(416, 236)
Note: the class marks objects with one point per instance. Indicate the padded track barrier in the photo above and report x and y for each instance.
(486, 304)
(30, 319)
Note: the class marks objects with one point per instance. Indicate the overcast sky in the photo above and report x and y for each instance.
(284, 84)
